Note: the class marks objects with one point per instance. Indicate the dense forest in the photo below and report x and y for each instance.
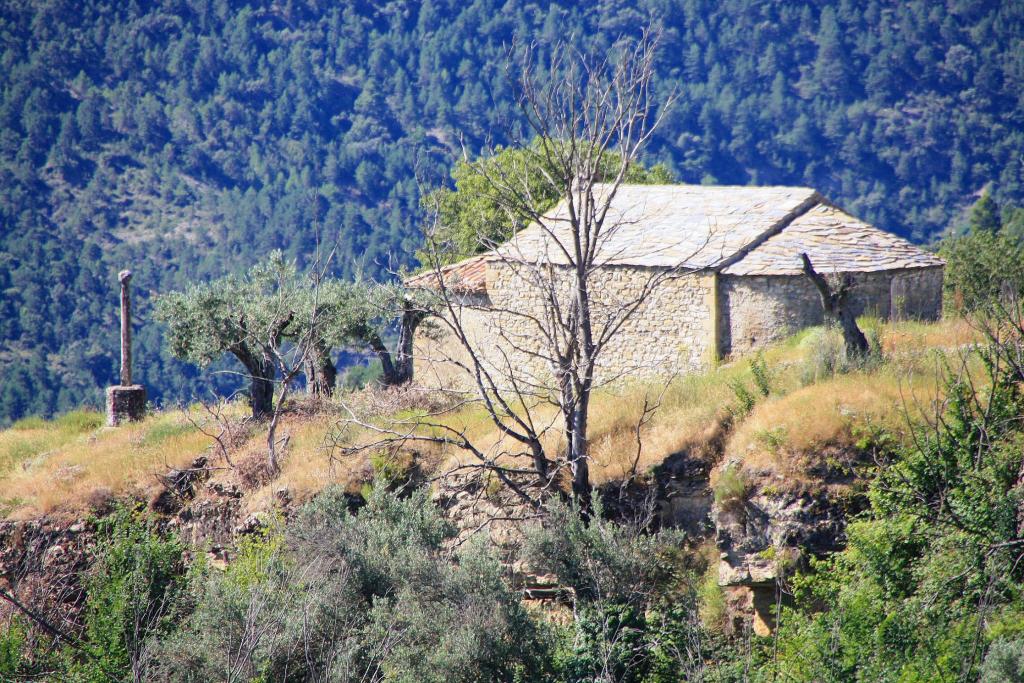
(188, 138)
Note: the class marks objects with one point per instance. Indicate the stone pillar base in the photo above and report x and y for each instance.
(125, 404)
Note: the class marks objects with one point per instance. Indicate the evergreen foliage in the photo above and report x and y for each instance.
(187, 139)
(985, 265)
(932, 572)
(373, 597)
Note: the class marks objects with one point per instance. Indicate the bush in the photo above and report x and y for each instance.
(600, 559)
(980, 268)
(338, 597)
(826, 352)
(13, 643)
(935, 553)
(745, 398)
(731, 487)
(1004, 662)
(635, 606)
(133, 595)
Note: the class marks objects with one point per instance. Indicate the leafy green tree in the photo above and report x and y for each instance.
(985, 265)
(985, 215)
(245, 316)
(473, 218)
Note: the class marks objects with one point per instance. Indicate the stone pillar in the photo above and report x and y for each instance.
(714, 308)
(126, 401)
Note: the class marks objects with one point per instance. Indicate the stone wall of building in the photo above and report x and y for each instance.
(437, 353)
(669, 332)
(759, 310)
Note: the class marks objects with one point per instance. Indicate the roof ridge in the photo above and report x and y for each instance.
(816, 199)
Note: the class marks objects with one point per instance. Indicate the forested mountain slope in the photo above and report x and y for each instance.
(187, 138)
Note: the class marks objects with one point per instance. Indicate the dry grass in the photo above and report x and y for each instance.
(783, 436)
(80, 468)
(789, 438)
(71, 463)
(306, 467)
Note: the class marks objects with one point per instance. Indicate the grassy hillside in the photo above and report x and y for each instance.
(187, 138)
(66, 465)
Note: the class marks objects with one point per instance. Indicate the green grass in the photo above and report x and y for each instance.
(166, 427)
(31, 437)
(30, 422)
(79, 421)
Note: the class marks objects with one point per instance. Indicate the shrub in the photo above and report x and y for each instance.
(133, 595)
(635, 608)
(600, 559)
(392, 468)
(761, 374)
(745, 399)
(826, 352)
(980, 268)
(340, 597)
(712, 608)
(1004, 662)
(826, 355)
(13, 642)
(731, 487)
(358, 376)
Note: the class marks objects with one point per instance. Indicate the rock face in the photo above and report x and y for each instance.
(42, 562)
(767, 535)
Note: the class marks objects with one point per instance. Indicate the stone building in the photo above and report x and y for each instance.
(733, 279)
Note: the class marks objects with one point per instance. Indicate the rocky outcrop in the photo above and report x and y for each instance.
(771, 531)
(42, 562)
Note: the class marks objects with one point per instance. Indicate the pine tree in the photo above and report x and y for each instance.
(984, 215)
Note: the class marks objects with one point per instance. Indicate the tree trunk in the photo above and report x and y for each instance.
(321, 375)
(261, 381)
(261, 391)
(398, 367)
(834, 304)
(389, 377)
(856, 343)
(579, 465)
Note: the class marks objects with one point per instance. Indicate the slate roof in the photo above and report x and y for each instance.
(694, 226)
(468, 276)
(835, 242)
(737, 230)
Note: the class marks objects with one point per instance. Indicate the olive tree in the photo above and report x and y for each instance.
(362, 315)
(245, 316)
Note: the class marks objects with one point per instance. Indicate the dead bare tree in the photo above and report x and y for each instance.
(835, 304)
(589, 120)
